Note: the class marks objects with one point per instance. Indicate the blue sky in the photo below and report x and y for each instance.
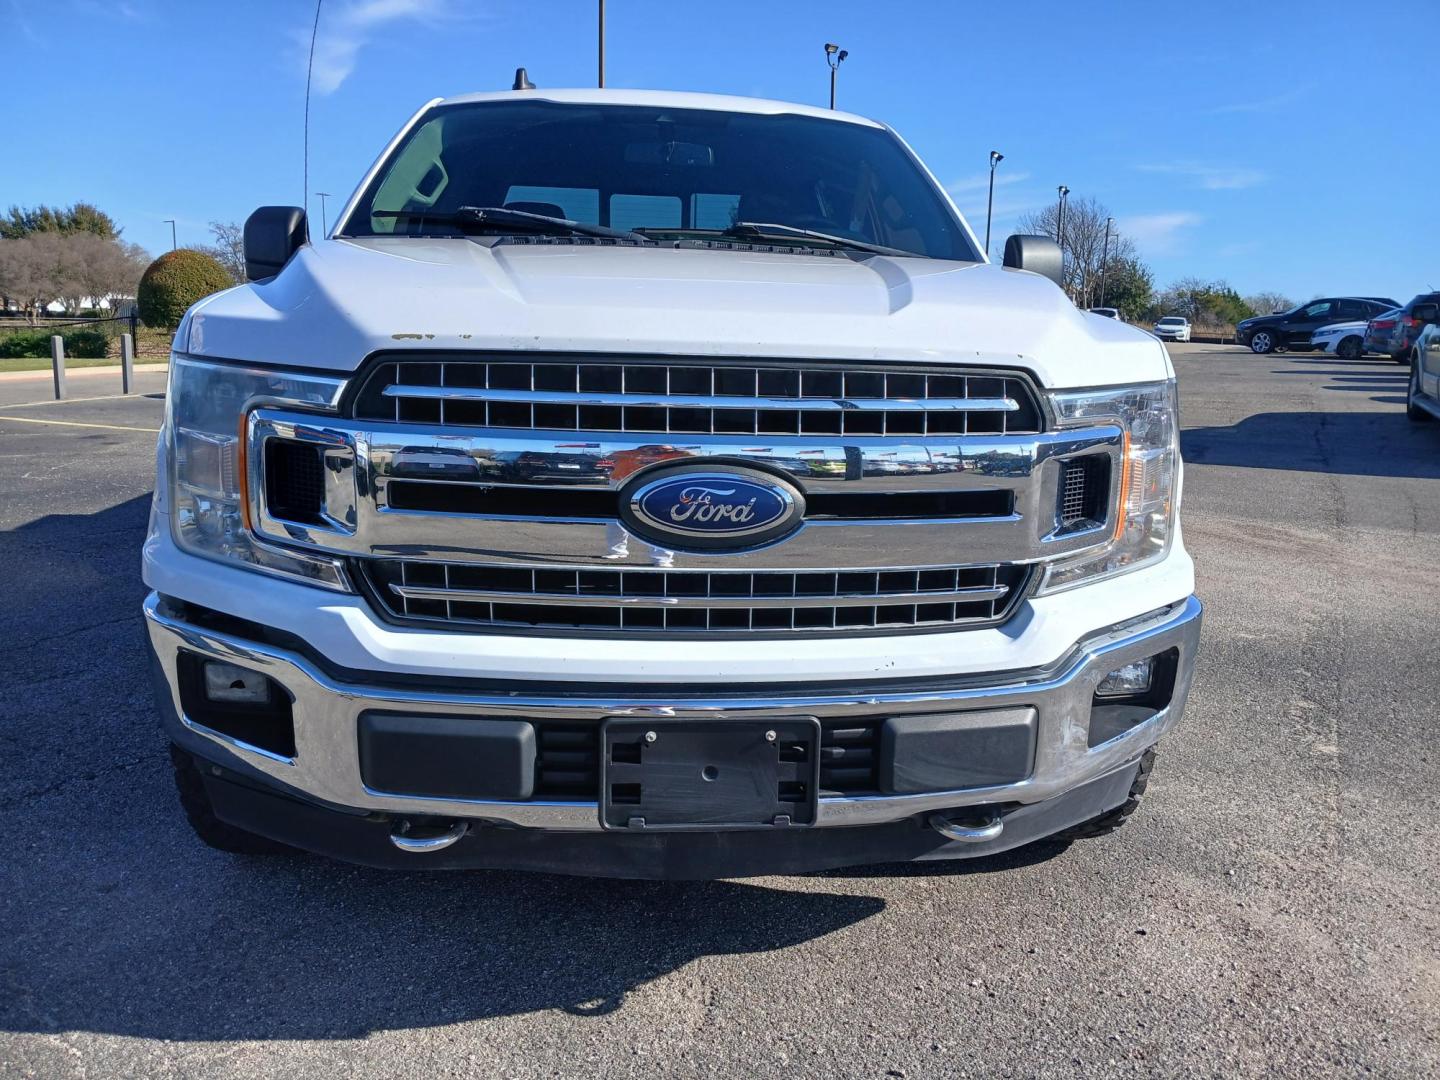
(1278, 146)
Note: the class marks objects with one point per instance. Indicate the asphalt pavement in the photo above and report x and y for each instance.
(1272, 908)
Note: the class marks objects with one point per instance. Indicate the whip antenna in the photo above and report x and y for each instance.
(305, 151)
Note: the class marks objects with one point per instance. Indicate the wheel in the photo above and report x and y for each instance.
(201, 815)
(1400, 357)
(1412, 396)
(1262, 341)
(1350, 348)
(1111, 820)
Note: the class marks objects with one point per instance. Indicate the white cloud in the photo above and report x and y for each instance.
(1157, 234)
(1210, 177)
(981, 182)
(1263, 105)
(345, 30)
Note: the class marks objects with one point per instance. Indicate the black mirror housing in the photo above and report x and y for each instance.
(1038, 254)
(272, 235)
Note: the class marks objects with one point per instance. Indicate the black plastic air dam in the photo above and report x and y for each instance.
(670, 856)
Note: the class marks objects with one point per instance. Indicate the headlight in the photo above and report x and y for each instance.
(205, 414)
(1148, 482)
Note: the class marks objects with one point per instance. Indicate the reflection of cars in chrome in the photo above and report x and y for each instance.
(1346, 340)
(1172, 328)
(709, 354)
(1422, 400)
(576, 463)
(431, 461)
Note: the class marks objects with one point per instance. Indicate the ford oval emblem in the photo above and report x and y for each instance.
(711, 507)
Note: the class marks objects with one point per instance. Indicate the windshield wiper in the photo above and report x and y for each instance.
(503, 219)
(772, 230)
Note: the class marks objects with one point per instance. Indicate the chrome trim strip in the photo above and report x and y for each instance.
(326, 766)
(702, 401)
(964, 596)
(365, 456)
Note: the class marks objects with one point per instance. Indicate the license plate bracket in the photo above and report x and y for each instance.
(709, 774)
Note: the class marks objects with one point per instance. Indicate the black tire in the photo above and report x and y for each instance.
(201, 815)
(1412, 410)
(1400, 357)
(1111, 820)
(1350, 348)
(1263, 341)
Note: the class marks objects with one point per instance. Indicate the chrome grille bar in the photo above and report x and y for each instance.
(410, 592)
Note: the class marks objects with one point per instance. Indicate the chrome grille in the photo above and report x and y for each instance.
(697, 397)
(466, 595)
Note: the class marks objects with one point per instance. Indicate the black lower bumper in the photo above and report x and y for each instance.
(690, 855)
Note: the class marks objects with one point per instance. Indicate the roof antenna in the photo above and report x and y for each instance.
(305, 152)
(522, 81)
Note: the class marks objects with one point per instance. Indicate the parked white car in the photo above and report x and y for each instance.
(1346, 339)
(1173, 328)
(542, 514)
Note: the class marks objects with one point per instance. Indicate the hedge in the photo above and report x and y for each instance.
(176, 280)
(82, 344)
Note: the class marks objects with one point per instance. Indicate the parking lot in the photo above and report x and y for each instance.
(1274, 905)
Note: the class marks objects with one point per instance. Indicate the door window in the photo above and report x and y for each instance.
(1318, 310)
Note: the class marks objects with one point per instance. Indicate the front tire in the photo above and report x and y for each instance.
(1262, 341)
(1108, 822)
(1350, 349)
(1412, 396)
(200, 813)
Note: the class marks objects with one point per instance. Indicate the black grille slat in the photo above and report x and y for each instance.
(295, 480)
(469, 596)
(786, 396)
(849, 756)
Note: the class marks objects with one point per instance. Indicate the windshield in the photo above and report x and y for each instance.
(1172, 322)
(661, 170)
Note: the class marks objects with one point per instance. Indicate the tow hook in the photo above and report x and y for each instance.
(971, 830)
(404, 836)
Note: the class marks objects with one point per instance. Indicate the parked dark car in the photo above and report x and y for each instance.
(1383, 332)
(1408, 324)
(1292, 329)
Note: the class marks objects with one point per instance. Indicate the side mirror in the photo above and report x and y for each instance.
(1425, 313)
(1038, 254)
(272, 235)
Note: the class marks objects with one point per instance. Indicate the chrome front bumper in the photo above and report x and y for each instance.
(326, 765)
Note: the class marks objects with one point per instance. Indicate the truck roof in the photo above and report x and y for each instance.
(673, 98)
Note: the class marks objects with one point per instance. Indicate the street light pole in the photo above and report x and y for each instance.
(171, 223)
(995, 158)
(834, 55)
(1105, 258)
(324, 220)
(602, 44)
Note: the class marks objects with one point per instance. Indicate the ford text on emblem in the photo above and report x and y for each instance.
(703, 508)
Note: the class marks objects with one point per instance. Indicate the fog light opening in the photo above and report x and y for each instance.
(1131, 694)
(234, 685)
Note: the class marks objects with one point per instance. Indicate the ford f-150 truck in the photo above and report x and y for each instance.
(660, 485)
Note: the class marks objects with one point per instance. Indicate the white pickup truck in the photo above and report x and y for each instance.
(660, 485)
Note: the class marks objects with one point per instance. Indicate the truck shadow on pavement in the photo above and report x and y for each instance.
(117, 920)
(1369, 443)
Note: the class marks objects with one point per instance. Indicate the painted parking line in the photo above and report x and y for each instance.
(78, 423)
(79, 400)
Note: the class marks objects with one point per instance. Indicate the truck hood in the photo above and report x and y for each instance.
(338, 301)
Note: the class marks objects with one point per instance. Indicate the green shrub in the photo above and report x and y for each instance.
(83, 344)
(175, 281)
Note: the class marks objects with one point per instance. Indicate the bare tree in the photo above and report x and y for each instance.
(1266, 302)
(76, 267)
(1084, 245)
(228, 249)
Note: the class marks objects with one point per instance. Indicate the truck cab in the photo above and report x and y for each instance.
(660, 485)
